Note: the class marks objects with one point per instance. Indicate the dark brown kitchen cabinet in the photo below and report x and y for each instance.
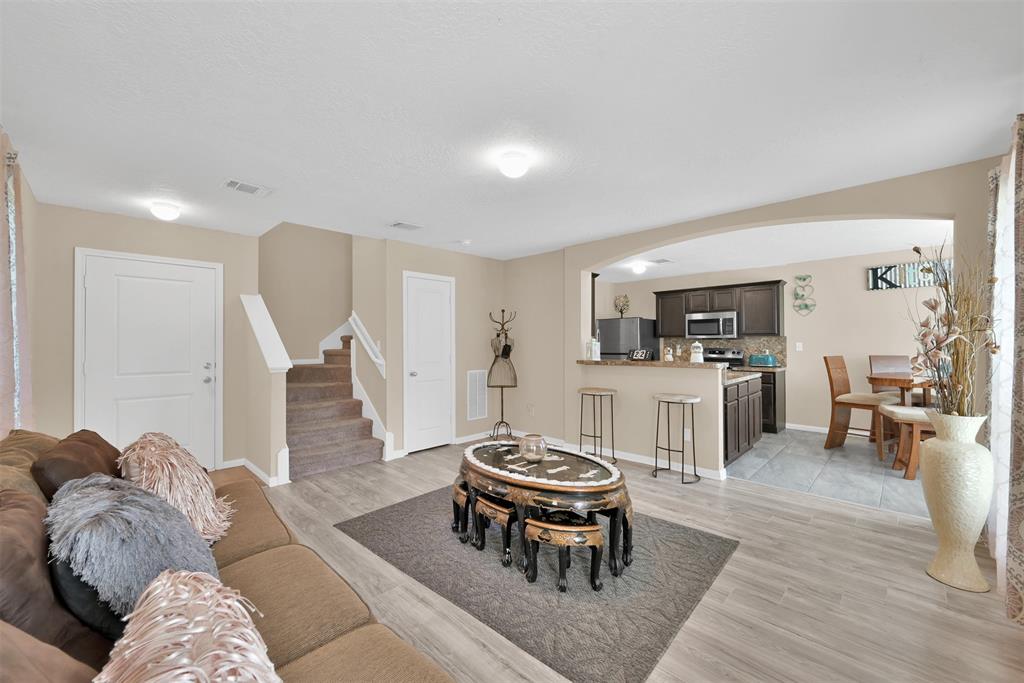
(698, 301)
(724, 300)
(758, 306)
(773, 401)
(761, 309)
(671, 315)
(742, 415)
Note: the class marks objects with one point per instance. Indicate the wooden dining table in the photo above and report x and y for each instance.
(906, 382)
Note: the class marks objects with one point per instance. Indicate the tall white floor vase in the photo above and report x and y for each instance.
(957, 475)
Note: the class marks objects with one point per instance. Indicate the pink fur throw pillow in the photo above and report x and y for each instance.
(158, 464)
(188, 626)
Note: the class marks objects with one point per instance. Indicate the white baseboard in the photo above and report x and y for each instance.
(331, 341)
(471, 437)
(806, 428)
(282, 468)
(390, 452)
(819, 430)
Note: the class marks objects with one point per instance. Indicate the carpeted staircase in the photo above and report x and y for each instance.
(326, 427)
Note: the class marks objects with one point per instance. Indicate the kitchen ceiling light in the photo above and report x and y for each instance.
(513, 164)
(639, 267)
(165, 211)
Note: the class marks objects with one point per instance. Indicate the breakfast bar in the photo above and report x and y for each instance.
(637, 382)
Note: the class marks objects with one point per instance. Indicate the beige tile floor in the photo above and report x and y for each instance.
(798, 461)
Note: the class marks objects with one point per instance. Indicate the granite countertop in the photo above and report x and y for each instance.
(759, 368)
(656, 364)
(733, 377)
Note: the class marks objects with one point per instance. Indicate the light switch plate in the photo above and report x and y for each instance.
(799, 346)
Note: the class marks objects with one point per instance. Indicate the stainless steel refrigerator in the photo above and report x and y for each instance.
(619, 336)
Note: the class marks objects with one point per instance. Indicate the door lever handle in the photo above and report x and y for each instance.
(413, 374)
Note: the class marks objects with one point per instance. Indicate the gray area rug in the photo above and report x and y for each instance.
(616, 634)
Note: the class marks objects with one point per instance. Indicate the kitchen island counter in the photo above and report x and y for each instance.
(636, 383)
(657, 364)
(760, 368)
(735, 377)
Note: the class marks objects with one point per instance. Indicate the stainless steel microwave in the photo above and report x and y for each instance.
(717, 325)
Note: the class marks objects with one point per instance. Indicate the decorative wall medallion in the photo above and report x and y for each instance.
(803, 302)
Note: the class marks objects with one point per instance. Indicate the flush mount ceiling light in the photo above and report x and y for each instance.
(514, 164)
(638, 267)
(465, 243)
(165, 211)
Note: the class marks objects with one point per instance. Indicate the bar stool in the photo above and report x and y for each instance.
(597, 396)
(669, 400)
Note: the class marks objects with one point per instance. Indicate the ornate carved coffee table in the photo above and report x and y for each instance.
(565, 480)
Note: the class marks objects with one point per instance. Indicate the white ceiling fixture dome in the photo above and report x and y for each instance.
(165, 211)
(514, 164)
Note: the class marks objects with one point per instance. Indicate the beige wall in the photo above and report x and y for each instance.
(266, 396)
(478, 291)
(305, 277)
(958, 193)
(849, 321)
(51, 252)
(537, 331)
(369, 301)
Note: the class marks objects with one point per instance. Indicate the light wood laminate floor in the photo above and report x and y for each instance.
(818, 590)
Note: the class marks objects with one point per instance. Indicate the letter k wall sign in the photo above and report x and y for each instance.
(902, 275)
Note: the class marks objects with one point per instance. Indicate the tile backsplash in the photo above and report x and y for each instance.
(749, 345)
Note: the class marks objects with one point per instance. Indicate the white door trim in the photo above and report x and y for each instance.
(81, 253)
(406, 274)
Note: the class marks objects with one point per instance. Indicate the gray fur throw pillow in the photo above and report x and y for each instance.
(118, 537)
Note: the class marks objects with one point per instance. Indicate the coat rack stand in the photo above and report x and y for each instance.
(501, 429)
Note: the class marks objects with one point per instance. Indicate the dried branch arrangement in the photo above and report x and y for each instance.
(622, 304)
(952, 337)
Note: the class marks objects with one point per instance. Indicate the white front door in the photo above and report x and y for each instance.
(429, 361)
(147, 348)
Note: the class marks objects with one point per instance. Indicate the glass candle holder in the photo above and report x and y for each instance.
(533, 448)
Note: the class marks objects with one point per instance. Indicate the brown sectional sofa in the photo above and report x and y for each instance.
(315, 626)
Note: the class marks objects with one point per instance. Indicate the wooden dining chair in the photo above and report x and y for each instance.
(914, 427)
(895, 365)
(844, 401)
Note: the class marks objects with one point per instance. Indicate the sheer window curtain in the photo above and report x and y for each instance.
(15, 384)
(1006, 389)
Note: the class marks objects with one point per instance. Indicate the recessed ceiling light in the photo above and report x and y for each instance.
(639, 267)
(465, 243)
(514, 164)
(165, 211)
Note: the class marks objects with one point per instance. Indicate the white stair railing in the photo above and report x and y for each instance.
(371, 348)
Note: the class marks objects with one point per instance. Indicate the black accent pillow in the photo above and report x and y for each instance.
(82, 600)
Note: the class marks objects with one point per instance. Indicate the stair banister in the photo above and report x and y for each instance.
(371, 348)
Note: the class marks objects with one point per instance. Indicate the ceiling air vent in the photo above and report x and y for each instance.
(406, 226)
(246, 188)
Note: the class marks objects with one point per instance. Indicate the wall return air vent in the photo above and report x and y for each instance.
(246, 188)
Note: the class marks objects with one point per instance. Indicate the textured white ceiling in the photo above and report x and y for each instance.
(778, 245)
(362, 114)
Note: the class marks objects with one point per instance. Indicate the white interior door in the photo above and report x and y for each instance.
(429, 361)
(147, 347)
